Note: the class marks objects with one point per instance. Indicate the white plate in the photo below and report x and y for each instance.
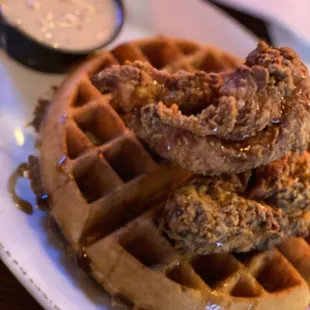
(25, 247)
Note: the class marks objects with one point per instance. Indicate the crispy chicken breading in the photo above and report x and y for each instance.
(238, 213)
(217, 123)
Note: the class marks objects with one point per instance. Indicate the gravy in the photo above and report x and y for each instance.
(72, 25)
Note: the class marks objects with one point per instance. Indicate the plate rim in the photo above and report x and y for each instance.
(20, 273)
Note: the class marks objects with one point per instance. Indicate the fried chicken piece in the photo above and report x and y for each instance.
(284, 184)
(214, 123)
(239, 213)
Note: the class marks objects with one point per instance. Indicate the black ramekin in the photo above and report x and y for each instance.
(39, 56)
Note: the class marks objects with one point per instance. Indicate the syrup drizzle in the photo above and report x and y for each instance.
(61, 163)
(43, 203)
(60, 167)
(22, 204)
(83, 262)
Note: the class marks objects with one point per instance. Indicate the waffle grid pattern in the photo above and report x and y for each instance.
(118, 186)
(250, 275)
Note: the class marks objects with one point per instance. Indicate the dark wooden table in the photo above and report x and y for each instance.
(12, 294)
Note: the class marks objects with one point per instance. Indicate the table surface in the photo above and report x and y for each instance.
(13, 296)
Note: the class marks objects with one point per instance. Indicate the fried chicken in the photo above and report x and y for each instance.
(284, 184)
(238, 213)
(213, 123)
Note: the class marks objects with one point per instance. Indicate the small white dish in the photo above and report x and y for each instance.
(26, 247)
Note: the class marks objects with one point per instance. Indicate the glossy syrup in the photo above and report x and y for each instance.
(43, 203)
(22, 204)
(61, 167)
(83, 262)
(61, 164)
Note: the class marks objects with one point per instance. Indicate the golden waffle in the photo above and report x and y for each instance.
(105, 188)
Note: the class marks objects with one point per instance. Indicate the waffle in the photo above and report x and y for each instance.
(106, 188)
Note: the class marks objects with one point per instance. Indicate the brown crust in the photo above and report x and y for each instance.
(134, 261)
(39, 113)
(238, 213)
(36, 182)
(40, 110)
(213, 123)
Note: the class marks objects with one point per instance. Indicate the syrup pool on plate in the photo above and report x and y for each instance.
(70, 25)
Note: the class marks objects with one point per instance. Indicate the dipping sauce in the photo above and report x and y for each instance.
(70, 25)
